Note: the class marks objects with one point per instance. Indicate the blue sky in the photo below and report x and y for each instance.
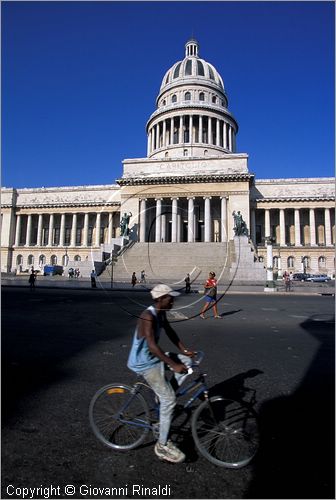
(80, 81)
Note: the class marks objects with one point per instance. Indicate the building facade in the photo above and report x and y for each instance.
(184, 191)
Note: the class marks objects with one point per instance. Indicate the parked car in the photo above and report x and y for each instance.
(52, 270)
(301, 276)
(318, 278)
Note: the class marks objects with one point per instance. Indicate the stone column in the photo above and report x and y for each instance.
(191, 235)
(157, 135)
(209, 130)
(200, 129)
(191, 129)
(164, 132)
(39, 230)
(51, 230)
(297, 227)
(327, 227)
(28, 233)
(179, 228)
(267, 223)
(174, 220)
(163, 227)
(73, 230)
(282, 227)
(253, 226)
(142, 232)
(158, 220)
(17, 230)
(180, 139)
(98, 224)
(230, 138)
(172, 131)
(224, 135)
(110, 227)
(224, 237)
(207, 219)
(86, 230)
(217, 132)
(62, 231)
(312, 227)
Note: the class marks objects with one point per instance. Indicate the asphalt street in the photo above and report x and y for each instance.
(60, 345)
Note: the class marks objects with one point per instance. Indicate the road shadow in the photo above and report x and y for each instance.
(296, 456)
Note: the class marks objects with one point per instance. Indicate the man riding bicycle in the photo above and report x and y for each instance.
(148, 359)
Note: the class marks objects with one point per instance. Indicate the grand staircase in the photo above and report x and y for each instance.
(170, 262)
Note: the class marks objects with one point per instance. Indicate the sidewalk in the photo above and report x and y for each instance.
(227, 288)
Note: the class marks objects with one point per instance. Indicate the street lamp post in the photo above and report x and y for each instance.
(270, 284)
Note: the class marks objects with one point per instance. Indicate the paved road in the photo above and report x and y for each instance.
(60, 345)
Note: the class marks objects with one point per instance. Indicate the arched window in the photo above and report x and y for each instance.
(305, 263)
(261, 258)
(276, 262)
(205, 152)
(174, 98)
(19, 260)
(201, 96)
(290, 261)
(187, 96)
(214, 99)
(200, 68)
(65, 260)
(166, 155)
(42, 260)
(211, 74)
(30, 260)
(77, 258)
(164, 102)
(322, 261)
(185, 152)
(177, 71)
(188, 68)
(53, 260)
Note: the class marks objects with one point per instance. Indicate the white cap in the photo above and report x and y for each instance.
(161, 290)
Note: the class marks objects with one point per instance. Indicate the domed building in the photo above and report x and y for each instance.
(180, 201)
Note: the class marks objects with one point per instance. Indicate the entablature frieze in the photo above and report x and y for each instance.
(192, 179)
(194, 194)
(291, 203)
(67, 209)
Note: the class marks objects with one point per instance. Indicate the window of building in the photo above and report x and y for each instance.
(276, 262)
(205, 152)
(164, 102)
(188, 68)
(30, 260)
(185, 152)
(211, 74)
(78, 236)
(166, 155)
(67, 238)
(261, 258)
(53, 260)
(174, 98)
(19, 260)
(65, 260)
(187, 96)
(77, 258)
(214, 99)
(201, 96)
(200, 68)
(322, 262)
(42, 260)
(177, 71)
(290, 261)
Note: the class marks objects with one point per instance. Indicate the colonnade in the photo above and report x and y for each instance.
(191, 129)
(180, 219)
(278, 223)
(64, 229)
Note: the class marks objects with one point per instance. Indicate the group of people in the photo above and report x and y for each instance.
(134, 279)
(146, 358)
(288, 279)
(73, 273)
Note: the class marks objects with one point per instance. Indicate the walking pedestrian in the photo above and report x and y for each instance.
(210, 295)
(93, 277)
(134, 279)
(32, 279)
(187, 284)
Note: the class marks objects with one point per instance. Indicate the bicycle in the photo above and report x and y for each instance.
(225, 431)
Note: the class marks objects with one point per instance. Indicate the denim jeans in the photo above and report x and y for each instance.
(155, 377)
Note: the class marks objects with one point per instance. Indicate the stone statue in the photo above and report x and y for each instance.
(240, 228)
(124, 224)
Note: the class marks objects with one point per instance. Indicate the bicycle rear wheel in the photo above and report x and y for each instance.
(225, 432)
(118, 417)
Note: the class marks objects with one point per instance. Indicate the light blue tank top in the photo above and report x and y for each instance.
(140, 357)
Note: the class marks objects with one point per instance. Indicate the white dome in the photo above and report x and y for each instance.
(191, 68)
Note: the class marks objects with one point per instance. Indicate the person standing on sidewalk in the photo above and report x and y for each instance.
(93, 277)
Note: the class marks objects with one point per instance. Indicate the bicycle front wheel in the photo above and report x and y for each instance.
(225, 432)
(118, 417)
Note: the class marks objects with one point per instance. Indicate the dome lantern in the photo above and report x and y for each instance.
(191, 48)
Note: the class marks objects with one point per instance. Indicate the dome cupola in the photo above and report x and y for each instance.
(191, 118)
